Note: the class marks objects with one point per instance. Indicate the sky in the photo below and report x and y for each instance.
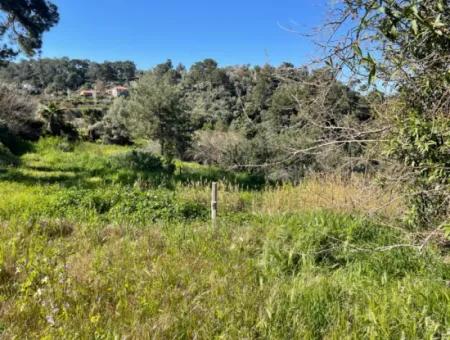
(148, 32)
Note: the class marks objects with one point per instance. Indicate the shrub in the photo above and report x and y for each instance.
(18, 121)
(57, 123)
(92, 115)
(110, 133)
(215, 147)
(112, 128)
(422, 146)
(140, 161)
(6, 157)
(13, 142)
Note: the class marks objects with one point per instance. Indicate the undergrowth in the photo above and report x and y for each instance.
(100, 242)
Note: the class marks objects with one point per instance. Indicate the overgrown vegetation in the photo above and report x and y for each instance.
(406, 44)
(334, 196)
(95, 243)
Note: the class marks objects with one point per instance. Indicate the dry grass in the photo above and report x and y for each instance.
(354, 195)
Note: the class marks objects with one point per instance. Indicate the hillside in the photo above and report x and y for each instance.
(101, 242)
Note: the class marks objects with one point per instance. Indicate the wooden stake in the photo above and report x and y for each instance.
(214, 203)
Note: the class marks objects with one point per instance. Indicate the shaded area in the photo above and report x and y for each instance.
(131, 168)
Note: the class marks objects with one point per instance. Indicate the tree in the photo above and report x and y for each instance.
(406, 44)
(156, 111)
(56, 124)
(17, 113)
(24, 22)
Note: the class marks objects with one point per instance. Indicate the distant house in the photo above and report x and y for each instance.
(119, 91)
(88, 93)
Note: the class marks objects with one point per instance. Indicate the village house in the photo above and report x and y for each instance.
(119, 91)
(88, 93)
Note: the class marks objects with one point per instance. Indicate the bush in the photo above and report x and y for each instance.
(92, 115)
(112, 128)
(16, 145)
(17, 119)
(6, 157)
(140, 161)
(215, 147)
(56, 122)
(422, 145)
(110, 133)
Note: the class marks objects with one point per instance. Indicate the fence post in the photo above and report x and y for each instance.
(214, 203)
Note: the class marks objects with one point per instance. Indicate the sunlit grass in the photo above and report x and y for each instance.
(92, 251)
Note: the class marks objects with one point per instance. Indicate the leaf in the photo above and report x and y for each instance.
(414, 27)
(373, 71)
(438, 23)
(393, 31)
(357, 49)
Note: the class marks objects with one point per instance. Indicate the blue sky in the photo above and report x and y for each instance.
(151, 31)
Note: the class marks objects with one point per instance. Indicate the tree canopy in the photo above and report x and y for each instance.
(22, 25)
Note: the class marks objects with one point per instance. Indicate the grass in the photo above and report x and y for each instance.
(93, 248)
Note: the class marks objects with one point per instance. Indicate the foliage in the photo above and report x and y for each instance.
(18, 121)
(140, 161)
(216, 147)
(6, 157)
(56, 123)
(156, 112)
(112, 128)
(86, 254)
(17, 113)
(60, 75)
(406, 44)
(25, 22)
(423, 146)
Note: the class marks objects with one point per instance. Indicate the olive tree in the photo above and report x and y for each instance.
(404, 45)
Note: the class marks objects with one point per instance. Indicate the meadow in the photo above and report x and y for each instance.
(110, 242)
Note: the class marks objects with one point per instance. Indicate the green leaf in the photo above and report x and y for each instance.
(414, 27)
(357, 49)
(372, 73)
(393, 31)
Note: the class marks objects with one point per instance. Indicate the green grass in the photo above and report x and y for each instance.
(91, 247)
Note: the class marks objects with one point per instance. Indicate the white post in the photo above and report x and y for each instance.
(214, 203)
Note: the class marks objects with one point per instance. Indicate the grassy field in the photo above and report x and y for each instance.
(95, 245)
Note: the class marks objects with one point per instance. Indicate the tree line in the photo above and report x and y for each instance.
(58, 75)
(240, 117)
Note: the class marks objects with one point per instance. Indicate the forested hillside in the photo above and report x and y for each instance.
(234, 116)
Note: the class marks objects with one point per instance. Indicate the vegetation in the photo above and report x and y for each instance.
(406, 44)
(60, 75)
(334, 199)
(283, 262)
(23, 24)
(156, 112)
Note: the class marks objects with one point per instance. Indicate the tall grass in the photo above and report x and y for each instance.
(84, 254)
